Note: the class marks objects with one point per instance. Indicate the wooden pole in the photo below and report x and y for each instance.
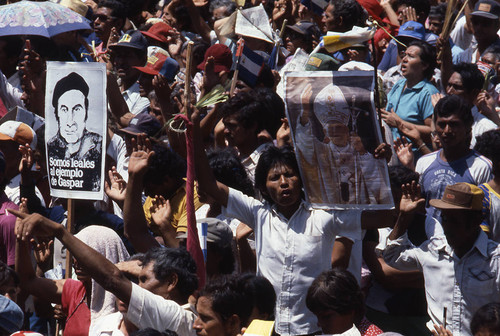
(69, 263)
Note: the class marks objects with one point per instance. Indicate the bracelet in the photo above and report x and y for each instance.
(421, 146)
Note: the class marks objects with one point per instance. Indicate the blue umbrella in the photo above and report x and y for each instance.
(39, 18)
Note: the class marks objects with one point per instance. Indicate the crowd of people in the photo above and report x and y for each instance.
(125, 265)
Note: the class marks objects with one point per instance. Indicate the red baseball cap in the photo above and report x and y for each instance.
(223, 58)
(154, 63)
(159, 31)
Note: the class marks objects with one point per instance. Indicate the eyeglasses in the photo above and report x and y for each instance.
(455, 87)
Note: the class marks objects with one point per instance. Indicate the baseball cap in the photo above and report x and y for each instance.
(305, 28)
(153, 64)
(11, 316)
(143, 123)
(18, 132)
(223, 58)
(412, 29)
(489, 9)
(132, 39)
(460, 196)
(159, 31)
(218, 232)
(321, 62)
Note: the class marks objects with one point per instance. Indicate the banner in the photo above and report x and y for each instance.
(75, 133)
(335, 131)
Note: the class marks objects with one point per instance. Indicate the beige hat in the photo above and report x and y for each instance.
(18, 132)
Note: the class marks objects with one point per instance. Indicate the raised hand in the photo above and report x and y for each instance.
(43, 253)
(27, 160)
(283, 133)
(141, 155)
(411, 199)
(161, 213)
(404, 152)
(35, 225)
(383, 151)
(116, 187)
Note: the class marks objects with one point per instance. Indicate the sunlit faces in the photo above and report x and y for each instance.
(208, 322)
(283, 185)
(72, 114)
(411, 64)
(148, 280)
(451, 131)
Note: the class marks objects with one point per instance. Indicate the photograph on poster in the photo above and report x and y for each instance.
(335, 131)
(75, 110)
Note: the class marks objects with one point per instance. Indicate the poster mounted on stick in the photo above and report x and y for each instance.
(75, 133)
(335, 131)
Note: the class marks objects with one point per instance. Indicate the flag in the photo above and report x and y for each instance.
(273, 60)
(249, 64)
(333, 41)
(317, 6)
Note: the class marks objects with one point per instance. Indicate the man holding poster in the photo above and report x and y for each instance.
(75, 153)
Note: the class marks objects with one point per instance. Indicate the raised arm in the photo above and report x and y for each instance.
(206, 180)
(95, 264)
(45, 289)
(136, 227)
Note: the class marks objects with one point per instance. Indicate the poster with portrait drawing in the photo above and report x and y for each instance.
(335, 131)
(75, 132)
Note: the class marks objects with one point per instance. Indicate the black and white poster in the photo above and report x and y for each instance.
(335, 131)
(75, 133)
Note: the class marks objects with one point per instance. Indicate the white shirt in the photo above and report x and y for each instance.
(481, 124)
(292, 253)
(250, 162)
(148, 310)
(136, 104)
(10, 95)
(462, 285)
(107, 325)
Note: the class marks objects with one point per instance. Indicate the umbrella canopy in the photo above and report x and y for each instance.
(39, 18)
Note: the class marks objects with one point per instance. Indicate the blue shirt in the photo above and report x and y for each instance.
(411, 104)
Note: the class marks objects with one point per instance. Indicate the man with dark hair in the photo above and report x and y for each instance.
(455, 162)
(129, 52)
(467, 262)
(467, 82)
(223, 308)
(159, 174)
(242, 116)
(336, 299)
(341, 15)
(485, 24)
(166, 277)
(109, 14)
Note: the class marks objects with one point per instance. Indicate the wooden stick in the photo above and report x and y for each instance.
(187, 82)
(69, 227)
(69, 263)
(444, 317)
